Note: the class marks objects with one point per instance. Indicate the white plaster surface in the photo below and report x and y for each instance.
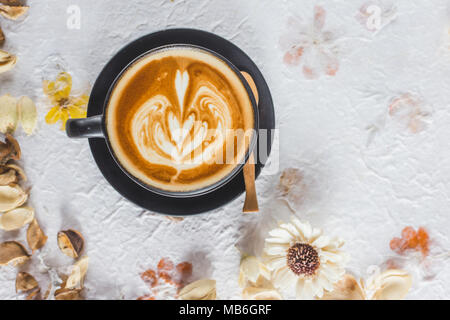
(366, 175)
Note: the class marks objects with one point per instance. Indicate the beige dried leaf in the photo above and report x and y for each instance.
(199, 290)
(71, 242)
(35, 236)
(34, 295)
(20, 173)
(16, 218)
(7, 61)
(2, 36)
(8, 177)
(253, 273)
(253, 293)
(9, 150)
(11, 2)
(79, 270)
(27, 114)
(13, 12)
(8, 113)
(12, 252)
(174, 219)
(66, 294)
(346, 289)
(392, 284)
(25, 282)
(11, 197)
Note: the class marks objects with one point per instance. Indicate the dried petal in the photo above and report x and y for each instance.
(9, 149)
(65, 294)
(253, 273)
(35, 236)
(76, 112)
(2, 36)
(76, 278)
(20, 173)
(13, 12)
(71, 243)
(199, 290)
(11, 2)
(346, 289)
(11, 197)
(25, 282)
(8, 113)
(7, 61)
(253, 293)
(16, 218)
(174, 219)
(8, 177)
(27, 114)
(58, 90)
(33, 295)
(392, 284)
(12, 252)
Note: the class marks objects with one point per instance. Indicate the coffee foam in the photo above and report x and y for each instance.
(171, 116)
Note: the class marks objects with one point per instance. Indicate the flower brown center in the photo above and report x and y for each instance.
(303, 259)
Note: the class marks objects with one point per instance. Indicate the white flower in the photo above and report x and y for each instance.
(304, 260)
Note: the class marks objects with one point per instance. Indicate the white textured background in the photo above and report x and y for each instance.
(365, 174)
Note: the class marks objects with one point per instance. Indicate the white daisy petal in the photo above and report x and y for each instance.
(321, 242)
(319, 292)
(316, 288)
(304, 290)
(304, 228)
(281, 234)
(332, 259)
(292, 230)
(284, 277)
(325, 283)
(299, 289)
(277, 241)
(313, 285)
(275, 250)
(335, 257)
(331, 272)
(276, 262)
(335, 243)
(316, 233)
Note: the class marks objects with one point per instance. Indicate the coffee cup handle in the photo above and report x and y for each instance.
(91, 127)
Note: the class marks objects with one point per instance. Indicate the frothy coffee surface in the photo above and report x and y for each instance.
(173, 116)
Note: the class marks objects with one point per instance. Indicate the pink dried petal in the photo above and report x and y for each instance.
(402, 105)
(293, 57)
(408, 110)
(327, 62)
(332, 66)
(309, 73)
(319, 17)
(416, 123)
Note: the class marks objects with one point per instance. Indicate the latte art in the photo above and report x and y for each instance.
(172, 117)
(172, 134)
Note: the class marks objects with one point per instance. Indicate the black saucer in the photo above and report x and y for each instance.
(118, 179)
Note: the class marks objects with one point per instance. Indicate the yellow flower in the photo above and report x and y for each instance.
(64, 105)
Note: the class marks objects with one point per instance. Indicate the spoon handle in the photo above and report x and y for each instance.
(251, 200)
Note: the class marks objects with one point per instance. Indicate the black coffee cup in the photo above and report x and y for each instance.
(95, 127)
